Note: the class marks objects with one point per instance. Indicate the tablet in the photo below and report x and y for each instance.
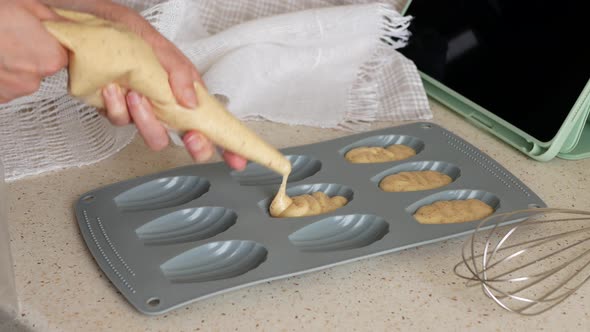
(522, 66)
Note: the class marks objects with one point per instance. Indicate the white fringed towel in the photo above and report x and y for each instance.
(326, 67)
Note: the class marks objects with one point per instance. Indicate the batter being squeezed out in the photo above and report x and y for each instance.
(313, 204)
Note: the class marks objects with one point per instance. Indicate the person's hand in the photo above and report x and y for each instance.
(28, 53)
(122, 110)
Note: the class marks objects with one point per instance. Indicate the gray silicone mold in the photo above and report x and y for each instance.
(186, 234)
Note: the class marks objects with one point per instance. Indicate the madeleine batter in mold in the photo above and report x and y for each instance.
(414, 181)
(313, 204)
(368, 155)
(310, 205)
(450, 212)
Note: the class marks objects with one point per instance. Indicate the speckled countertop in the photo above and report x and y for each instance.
(62, 289)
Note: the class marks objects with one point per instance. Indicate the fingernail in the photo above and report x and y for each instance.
(204, 156)
(161, 143)
(190, 98)
(194, 143)
(133, 99)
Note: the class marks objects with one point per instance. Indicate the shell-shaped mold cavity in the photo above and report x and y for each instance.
(162, 193)
(330, 189)
(258, 175)
(450, 195)
(340, 233)
(187, 225)
(215, 261)
(385, 141)
(449, 169)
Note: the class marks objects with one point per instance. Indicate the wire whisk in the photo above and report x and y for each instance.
(528, 261)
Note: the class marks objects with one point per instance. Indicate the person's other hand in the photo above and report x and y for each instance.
(28, 53)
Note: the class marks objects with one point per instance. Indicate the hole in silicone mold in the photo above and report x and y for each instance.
(88, 199)
(340, 233)
(187, 225)
(454, 195)
(153, 302)
(162, 193)
(330, 189)
(384, 141)
(437, 166)
(215, 261)
(426, 126)
(258, 175)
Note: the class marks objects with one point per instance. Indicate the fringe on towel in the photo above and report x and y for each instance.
(363, 97)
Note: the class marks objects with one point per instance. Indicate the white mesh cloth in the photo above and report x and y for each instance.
(326, 67)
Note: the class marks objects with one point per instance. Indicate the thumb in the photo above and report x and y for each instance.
(42, 12)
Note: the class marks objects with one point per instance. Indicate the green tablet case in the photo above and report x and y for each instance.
(572, 141)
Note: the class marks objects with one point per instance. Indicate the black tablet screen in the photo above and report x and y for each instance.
(526, 61)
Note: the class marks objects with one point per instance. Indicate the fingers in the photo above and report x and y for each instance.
(28, 53)
(41, 11)
(198, 146)
(53, 56)
(234, 161)
(116, 105)
(182, 74)
(182, 85)
(121, 110)
(181, 71)
(152, 131)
